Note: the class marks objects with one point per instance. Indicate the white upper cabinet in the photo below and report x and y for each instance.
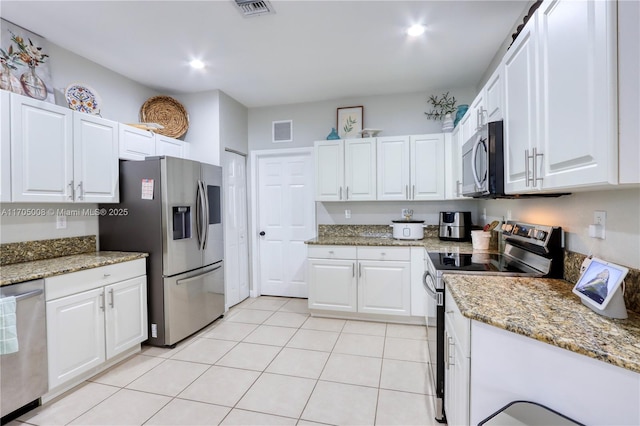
(360, 169)
(478, 111)
(453, 164)
(427, 167)
(329, 157)
(59, 155)
(95, 152)
(393, 168)
(346, 170)
(494, 96)
(170, 146)
(561, 99)
(41, 151)
(520, 101)
(411, 167)
(136, 144)
(5, 146)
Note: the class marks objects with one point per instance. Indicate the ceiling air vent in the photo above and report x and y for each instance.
(250, 8)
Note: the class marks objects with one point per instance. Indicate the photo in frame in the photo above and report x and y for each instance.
(350, 121)
(24, 63)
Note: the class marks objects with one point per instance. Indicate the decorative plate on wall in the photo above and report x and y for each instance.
(167, 112)
(83, 98)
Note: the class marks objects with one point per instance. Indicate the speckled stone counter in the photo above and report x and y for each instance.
(431, 244)
(26, 271)
(28, 251)
(548, 311)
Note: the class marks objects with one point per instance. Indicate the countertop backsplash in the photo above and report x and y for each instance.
(28, 251)
(430, 231)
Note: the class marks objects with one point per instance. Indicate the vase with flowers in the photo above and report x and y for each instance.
(32, 56)
(9, 60)
(442, 109)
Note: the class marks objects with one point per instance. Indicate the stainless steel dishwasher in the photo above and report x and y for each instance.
(23, 374)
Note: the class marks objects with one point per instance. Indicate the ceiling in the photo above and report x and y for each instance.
(307, 51)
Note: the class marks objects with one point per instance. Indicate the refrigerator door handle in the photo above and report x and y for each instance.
(199, 214)
(206, 215)
(197, 277)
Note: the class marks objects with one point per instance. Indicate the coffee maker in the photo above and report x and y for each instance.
(455, 226)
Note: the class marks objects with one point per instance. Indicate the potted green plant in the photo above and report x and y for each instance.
(442, 109)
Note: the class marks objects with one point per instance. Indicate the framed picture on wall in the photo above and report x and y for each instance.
(349, 121)
(24, 63)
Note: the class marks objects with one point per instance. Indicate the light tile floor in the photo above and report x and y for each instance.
(267, 362)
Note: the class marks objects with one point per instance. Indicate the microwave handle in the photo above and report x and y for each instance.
(474, 171)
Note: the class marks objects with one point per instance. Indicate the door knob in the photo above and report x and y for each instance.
(262, 233)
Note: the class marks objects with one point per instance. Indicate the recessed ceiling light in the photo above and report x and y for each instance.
(416, 30)
(197, 64)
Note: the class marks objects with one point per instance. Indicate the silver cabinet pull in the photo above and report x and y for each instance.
(359, 269)
(458, 183)
(406, 192)
(449, 354)
(102, 301)
(71, 190)
(330, 251)
(111, 298)
(526, 168)
(347, 197)
(106, 275)
(353, 269)
(80, 191)
(413, 196)
(535, 167)
(340, 193)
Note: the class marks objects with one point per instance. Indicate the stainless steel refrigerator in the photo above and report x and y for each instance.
(171, 208)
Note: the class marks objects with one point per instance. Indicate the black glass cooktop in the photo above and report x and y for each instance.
(476, 263)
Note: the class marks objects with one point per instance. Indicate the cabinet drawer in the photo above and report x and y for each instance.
(75, 282)
(332, 252)
(384, 253)
(461, 325)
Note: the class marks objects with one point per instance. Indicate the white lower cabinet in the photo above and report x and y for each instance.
(373, 280)
(457, 361)
(92, 316)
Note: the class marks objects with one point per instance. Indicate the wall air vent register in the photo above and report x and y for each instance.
(249, 8)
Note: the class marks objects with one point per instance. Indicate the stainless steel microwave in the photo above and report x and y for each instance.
(483, 163)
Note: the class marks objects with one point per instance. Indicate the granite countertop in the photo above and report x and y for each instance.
(548, 311)
(26, 271)
(431, 244)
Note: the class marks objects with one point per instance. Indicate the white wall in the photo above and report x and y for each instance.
(203, 135)
(400, 114)
(30, 228)
(383, 212)
(574, 213)
(234, 125)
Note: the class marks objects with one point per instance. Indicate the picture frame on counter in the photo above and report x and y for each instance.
(349, 121)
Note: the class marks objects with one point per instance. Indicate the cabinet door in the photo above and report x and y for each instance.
(427, 167)
(75, 335)
(453, 164)
(478, 111)
(467, 126)
(332, 285)
(95, 152)
(135, 144)
(169, 146)
(5, 146)
(494, 91)
(384, 287)
(360, 169)
(329, 170)
(41, 151)
(520, 107)
(577, 69)
(125, 315)
(393, 168)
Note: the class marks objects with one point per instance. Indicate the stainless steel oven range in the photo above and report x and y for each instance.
(530, 250)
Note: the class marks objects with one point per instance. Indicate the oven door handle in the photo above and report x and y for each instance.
(437, 295)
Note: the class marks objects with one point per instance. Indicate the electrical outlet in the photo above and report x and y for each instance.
(599, 218)
(347, 214)
(597, 230)
(61, 222)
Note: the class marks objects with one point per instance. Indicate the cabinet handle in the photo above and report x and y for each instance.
(535, 167)
(71, 191)
(111, 297)
(446, 351)
(526, 168)
(330, 251)
(347, 197)
(102, 301)
(449, 343)
(340, 193)
(359, 270)
(458, 188)
(413, 190)
(406, 192)
(80, 191)
(106, 275)
(353, 269)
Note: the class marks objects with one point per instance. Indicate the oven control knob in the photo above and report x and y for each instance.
(531, 233)
(541, 235)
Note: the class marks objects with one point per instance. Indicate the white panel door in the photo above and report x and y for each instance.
(41, 151)
(286, 212)
(5, 146)
(577, 42)
(95, 153)
(393, 168)
(329, 159)
(235, 232)
(360, 169)
(125, 315)
(427, 167)
(333, 285)
(520, 107)
(75, 335)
